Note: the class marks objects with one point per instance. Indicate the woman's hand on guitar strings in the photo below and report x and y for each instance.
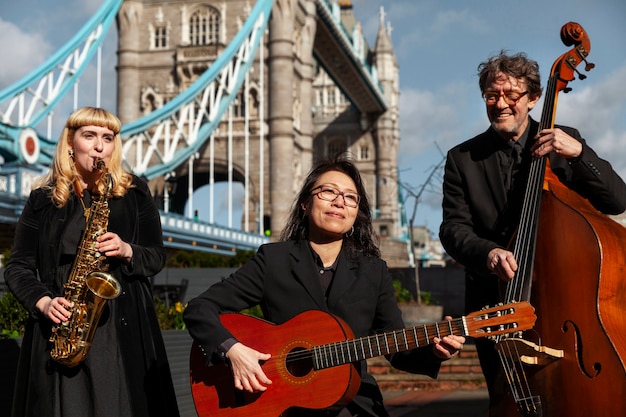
(246, 368)
(448, 346)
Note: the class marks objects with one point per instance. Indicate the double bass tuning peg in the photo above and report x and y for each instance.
(588, 67)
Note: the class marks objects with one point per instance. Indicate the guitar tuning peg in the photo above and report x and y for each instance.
(589, 65)
(567, 90)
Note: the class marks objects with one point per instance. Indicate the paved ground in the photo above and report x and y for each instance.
(456, 403)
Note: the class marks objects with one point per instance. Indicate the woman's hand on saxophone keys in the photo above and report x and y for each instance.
(55, 309)
(113, 246)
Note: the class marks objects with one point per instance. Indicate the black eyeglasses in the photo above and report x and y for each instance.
(329, 193)
(510, 97)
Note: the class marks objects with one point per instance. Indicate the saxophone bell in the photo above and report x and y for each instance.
(74, 342)
(103, 285)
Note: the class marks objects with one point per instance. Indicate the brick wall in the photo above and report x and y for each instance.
(461, 372)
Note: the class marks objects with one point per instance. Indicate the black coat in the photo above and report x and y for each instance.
(477, 217)
(283, 279)
(34, 271)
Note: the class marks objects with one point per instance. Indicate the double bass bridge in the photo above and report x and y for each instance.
(528, 352)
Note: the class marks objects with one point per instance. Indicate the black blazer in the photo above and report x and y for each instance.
(282, 277)
(33, 271)
(475, 202)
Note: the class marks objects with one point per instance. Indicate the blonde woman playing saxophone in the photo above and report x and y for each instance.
(125, 371)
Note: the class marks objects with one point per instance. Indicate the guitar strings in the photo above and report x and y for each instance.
(353, 350)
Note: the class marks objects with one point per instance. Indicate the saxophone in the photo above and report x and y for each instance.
(88, 286)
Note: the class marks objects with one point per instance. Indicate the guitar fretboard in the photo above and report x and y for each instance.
(340, 353)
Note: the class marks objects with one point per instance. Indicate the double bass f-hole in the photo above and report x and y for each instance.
(516, 352)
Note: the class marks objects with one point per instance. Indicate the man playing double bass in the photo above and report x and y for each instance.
(485, 178)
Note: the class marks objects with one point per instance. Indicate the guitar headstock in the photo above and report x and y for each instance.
(501, 319)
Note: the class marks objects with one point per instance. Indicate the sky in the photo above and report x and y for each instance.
(439, 45)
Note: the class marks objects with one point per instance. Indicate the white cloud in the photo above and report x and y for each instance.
(599, 112)
(21, 53)
(27, 47)
(445, 117)
(424, 119)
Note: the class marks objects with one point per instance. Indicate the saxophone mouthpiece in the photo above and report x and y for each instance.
(98, 164)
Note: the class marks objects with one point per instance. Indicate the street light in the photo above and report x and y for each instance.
(169, 189)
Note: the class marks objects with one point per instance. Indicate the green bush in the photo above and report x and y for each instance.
(170, 318)
(402, 294)
(189, 259)
(427, 298)
(254, 311)
(13, 316)
(405, 296)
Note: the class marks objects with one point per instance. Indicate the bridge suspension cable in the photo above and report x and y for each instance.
(157, 143)
(25, 104)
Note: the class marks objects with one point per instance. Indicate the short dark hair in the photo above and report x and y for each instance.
(518, 66)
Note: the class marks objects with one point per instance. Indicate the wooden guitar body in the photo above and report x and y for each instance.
(295, 382)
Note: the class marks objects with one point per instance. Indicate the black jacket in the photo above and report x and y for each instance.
(475, 202)
(33, 271)
(283, 279)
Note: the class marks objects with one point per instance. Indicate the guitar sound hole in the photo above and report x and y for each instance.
(299, 362)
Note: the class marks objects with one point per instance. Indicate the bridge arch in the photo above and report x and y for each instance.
(184, 203)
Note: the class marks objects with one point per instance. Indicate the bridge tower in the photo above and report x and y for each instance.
(298, 111)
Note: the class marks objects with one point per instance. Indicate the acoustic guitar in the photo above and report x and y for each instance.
(315, 355)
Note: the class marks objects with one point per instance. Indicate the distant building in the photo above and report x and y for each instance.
(164, 46)
(428, 251)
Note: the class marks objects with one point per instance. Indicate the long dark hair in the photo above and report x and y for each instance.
(362, 238)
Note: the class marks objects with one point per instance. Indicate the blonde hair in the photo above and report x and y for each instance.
(62, 174)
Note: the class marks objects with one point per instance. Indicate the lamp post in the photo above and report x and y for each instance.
(169, 189)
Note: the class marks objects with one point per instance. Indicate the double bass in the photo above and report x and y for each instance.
(572, 268)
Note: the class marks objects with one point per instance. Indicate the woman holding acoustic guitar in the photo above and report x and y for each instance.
(327, 260)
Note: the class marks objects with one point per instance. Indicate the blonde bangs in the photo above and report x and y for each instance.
(92, 116)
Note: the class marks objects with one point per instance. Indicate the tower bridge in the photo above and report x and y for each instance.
(233, 91)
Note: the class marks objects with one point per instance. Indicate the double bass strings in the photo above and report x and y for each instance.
(524, 246)
(519, 289)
